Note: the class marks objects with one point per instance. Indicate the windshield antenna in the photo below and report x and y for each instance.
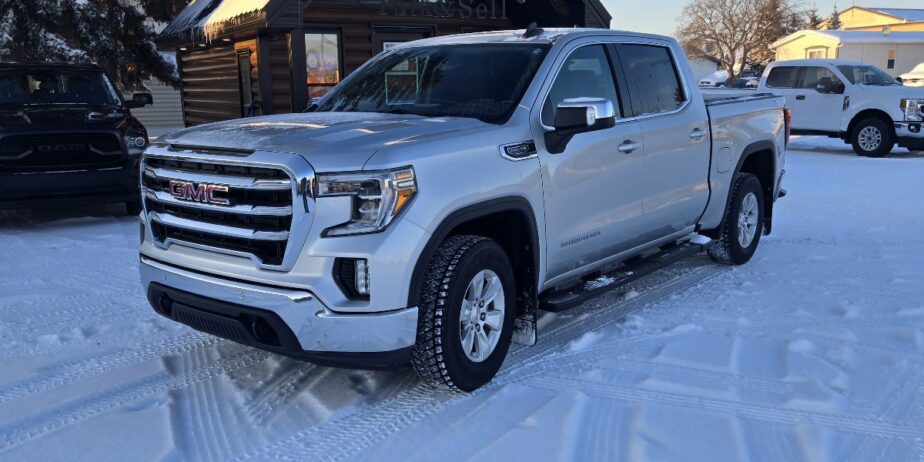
(532, 30)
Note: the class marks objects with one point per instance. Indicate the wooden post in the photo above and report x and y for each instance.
(299, 73)
(265, 73)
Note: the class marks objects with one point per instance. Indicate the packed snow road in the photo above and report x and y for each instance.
(813, 351)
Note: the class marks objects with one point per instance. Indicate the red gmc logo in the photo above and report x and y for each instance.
(202, 192)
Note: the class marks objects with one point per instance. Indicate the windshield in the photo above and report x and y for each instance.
(41, 87)
(484, 82)
(867, 75)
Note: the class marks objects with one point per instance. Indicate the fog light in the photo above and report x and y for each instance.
(362, 277)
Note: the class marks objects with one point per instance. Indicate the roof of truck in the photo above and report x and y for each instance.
(816, 62)
(549, 35)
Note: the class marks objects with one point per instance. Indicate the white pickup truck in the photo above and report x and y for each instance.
(859, 103)
(427, 208)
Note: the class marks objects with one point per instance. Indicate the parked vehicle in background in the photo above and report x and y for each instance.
(718, 79)
(428, 206)
(859, 103)
(915, 78)
(66, 135)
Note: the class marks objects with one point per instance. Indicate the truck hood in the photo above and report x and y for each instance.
(330, 141)
(62, 117)
(898, 91)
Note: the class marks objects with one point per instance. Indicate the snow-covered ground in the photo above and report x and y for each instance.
(813, 351)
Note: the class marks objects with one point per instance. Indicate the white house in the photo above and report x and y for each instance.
(894, 52)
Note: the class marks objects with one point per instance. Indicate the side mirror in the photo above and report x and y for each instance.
(579, 115)
(140, 100)
(826, 85)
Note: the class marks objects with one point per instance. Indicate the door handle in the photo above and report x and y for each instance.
(800, 97)
(628, 147)
(697, 134)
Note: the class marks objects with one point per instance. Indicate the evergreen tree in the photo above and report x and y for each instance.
(834, 22)
(813, 21)
(117, 35)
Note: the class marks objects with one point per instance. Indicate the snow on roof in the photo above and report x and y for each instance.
(909, 14)
(853, 36)
(228, 10)
(186, 21)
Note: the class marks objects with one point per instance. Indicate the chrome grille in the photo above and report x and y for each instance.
(253, 214)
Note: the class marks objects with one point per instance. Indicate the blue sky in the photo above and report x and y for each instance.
(660, 16)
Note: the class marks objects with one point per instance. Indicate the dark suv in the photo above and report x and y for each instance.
(66, 135)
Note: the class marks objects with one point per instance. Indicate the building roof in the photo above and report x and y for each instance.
(908, 14)
(843, 37)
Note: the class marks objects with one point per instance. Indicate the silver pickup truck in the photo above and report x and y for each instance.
(426, 209)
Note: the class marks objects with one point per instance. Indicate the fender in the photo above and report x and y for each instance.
(469, 213)
(751, 149)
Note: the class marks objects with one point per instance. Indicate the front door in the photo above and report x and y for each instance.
(384, 39)
(593, 192)
(816, 110)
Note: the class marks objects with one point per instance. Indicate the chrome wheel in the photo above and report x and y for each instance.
(869, 139)
(748, 220)
(482, 317)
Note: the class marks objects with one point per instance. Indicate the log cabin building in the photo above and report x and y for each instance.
(240, 58)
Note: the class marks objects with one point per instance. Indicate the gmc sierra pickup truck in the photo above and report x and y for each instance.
(427, 208)
(66, 135)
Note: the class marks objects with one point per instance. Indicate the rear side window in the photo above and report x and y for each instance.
(814, 75)
(782, 77)
(585, 74)
(654, 82)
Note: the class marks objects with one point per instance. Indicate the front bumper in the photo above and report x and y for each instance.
(910, 135)
(285, 321)
(54, 189)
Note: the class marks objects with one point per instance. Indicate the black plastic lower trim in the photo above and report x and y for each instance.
(259, 328)
(915, 144)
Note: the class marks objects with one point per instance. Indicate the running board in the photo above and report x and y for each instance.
(573, 296)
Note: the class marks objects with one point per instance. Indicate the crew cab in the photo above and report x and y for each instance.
(67, 136)
(856, 102)
(426, 209)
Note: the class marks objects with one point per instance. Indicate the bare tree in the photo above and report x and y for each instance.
(736, 33)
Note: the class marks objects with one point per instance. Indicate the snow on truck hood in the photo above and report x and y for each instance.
(330, 141)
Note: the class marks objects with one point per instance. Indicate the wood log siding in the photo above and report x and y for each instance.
(281, 74)
(210, 85)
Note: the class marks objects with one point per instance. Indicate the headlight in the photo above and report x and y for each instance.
(377, 197)
(913, 109)
(135, 144)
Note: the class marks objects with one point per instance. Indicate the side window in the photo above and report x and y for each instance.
(782, 77)
(653, 79)
(814, 75)
(586, 73)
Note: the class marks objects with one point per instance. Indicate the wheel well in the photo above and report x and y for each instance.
(869, 113)
(761, 164)
(511, 223)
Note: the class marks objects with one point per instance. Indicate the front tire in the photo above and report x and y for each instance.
(872, 138)
(742, 225)
(467, 313)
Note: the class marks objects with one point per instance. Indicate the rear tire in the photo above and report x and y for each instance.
(872, 137)
(457, 347)
(742, 225)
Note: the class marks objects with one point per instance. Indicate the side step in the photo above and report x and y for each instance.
(573, 296)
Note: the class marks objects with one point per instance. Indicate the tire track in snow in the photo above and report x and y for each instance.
(21, 432)
(863, 426)
(73, 372)
(350, 435)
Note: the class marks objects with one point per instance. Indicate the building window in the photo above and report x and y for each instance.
(322, 61)
(891, 64)
(816, 53)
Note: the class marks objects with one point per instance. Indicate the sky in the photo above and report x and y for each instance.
(660, 16)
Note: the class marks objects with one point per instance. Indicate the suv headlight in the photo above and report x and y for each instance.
(135, 144)
(913, 109)
(377, 197)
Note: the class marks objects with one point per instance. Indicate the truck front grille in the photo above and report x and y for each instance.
(251, 214)
(45, 153)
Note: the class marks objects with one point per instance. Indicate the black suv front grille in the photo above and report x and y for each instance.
(48, 153)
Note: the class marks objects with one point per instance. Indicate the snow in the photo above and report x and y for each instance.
(812, 351)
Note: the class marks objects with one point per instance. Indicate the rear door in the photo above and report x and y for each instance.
(592, 190)
(782, 81)
(675, 128)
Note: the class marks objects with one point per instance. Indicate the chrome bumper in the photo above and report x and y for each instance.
(317, 328)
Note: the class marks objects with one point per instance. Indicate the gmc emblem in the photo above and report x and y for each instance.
(202, 192)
